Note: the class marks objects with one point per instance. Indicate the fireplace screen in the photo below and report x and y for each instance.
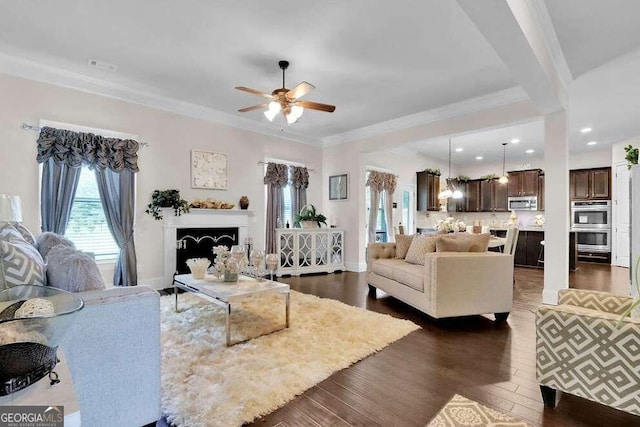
(199, 243)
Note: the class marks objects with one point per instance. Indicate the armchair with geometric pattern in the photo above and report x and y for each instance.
(581, 349)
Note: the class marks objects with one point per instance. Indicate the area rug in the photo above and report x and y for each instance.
(460, 411)
(205, 383)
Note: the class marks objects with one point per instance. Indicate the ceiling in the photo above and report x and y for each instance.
(372, 59)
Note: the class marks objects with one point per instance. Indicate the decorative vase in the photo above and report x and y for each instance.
(230, 276)
(244, 202)
(309, 224)
(198, 267)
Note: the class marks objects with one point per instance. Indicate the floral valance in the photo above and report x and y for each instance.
(77, 148)
(299, 177)
(276, 175)
(382, 181)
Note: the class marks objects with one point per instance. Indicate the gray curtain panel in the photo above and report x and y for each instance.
(117, 193)
(59, 183)
(389, 186)
(299, 184)
(275, 179)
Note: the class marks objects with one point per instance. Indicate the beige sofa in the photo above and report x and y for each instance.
(449, 284)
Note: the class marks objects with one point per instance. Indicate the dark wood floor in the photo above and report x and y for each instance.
(406, 383)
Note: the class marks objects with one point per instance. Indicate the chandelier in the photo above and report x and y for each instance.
(450, 190)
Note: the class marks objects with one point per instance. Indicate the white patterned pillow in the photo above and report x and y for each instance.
(420, 245)
(403, 242)
(20, 262)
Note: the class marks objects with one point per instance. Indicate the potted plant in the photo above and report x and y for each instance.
(631, 156)
(309, 218)
(166, 199)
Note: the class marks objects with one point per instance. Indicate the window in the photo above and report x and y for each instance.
(87, 227)
(287, 213)
(381, 224)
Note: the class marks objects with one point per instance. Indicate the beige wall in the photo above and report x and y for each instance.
(165, 164)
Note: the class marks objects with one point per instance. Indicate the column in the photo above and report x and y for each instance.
(556, 236)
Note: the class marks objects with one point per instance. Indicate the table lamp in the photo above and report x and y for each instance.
(10, 208)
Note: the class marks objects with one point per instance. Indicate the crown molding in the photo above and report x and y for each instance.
(540, 14)
(31, 70)
(471, 105)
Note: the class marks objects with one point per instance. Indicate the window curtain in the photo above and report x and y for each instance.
(275, 179)
(375, 183)
(58, 188)
(299, 184)
(115, 162)
(389, 186)
(117, 193)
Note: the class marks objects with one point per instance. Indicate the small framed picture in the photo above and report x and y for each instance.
(339, 187)
(208, 170)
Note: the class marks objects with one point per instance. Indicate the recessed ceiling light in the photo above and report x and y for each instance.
(529, 151)
(459, 149)
(479, 157)
(515, 140)
(586, 130)
(592, 142)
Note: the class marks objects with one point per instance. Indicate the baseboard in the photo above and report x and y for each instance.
(357, 267)
(156, 283)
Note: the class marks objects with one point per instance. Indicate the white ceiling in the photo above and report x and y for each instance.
(374, 60)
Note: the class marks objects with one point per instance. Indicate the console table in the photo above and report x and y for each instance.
(309, 250)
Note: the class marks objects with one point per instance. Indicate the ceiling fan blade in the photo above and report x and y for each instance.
(317, 106)
(253, 107)
(255, 92)
(300, 90)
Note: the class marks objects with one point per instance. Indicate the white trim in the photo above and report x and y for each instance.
(614, 214)
(471, 105)
(540, 14)
(358, 267)
(27, 69)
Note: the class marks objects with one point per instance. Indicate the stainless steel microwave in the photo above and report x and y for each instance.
(529, 203)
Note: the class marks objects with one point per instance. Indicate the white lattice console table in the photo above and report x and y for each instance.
(314, 250)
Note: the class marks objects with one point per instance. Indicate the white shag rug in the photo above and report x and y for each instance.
(205, 383)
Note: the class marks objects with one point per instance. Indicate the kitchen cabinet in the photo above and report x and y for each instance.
(528, 249)
(541, 192)
(473, 196)
(590, 184)
(493, 196)
(428, 187)
(523, 183)
(458, 205)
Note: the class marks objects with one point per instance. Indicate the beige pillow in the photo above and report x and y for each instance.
(462, 242)
(403, 241)
(420, 245)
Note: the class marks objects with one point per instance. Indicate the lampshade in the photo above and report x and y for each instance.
(274, 108)
(10, 208)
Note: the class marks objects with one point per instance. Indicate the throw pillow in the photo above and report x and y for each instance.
(462, 242)
(403, 242)
(24, 231)
(420, 245)
(72, 270)
(48, 240)
(20, 262)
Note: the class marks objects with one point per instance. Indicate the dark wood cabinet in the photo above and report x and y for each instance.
(590, 184)
(541, 192)
(528, 249)
(473, 196)
(493, 196)
(523, 183)
(427, 189)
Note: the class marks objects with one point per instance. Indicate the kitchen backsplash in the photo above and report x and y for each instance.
(497, 219)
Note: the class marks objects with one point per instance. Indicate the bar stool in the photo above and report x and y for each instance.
(541, 254)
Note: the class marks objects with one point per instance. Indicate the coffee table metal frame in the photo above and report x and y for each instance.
(187, 283)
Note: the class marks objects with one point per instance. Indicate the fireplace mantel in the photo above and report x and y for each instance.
(198, 218)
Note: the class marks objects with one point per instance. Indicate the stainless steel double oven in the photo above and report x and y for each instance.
(591, 220)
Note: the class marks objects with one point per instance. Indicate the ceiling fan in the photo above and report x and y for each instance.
(286, 101)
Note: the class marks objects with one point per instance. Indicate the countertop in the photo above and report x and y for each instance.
(525, 228)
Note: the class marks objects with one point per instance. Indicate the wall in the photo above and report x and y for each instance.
(164, 164)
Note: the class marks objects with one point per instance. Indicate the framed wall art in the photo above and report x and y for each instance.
(208, 170)
(339, 187)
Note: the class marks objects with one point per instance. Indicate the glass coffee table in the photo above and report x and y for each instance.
(226, 293)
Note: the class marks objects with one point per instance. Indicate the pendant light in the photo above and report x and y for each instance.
(450, 190)
(504, 178)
